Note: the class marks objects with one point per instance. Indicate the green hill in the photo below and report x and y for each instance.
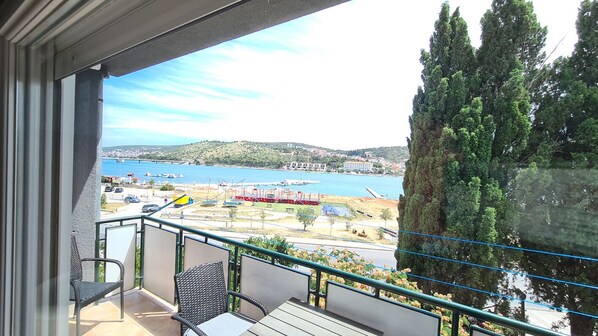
(256, 154)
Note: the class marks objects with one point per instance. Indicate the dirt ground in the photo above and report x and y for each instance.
(278, 218)
(278, 221)
(367, 205)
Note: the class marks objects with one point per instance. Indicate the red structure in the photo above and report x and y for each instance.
(278, 196)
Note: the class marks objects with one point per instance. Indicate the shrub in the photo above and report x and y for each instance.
(103, 201)
(276, 243)
(167, 187)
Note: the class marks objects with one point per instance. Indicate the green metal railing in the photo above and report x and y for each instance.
(457, 309)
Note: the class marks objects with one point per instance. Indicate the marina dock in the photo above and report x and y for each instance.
(375, 194)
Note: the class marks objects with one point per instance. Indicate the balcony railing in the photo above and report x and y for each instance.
(153, 250)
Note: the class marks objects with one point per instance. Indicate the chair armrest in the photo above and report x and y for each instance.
(188, 324)
(251, 300)
(118, 263)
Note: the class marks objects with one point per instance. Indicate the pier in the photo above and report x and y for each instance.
(375, 194)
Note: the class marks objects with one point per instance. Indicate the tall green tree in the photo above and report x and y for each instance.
(509, 59)
(423, 182)
(472, 197)
(447, 173)
(509, 62)
(421, 207)
(470, 126)
(557, 195)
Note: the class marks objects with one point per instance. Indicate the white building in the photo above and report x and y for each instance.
(359, 166)
(312, 166)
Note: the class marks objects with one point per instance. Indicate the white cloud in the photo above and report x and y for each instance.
(342, 78)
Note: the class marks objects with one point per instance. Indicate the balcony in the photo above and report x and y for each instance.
(145, 314)
(153, 250)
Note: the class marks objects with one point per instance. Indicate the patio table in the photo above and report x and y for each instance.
(298, 318)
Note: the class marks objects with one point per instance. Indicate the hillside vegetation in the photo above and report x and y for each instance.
(256, 154)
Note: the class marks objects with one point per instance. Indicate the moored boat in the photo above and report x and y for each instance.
(209, 203)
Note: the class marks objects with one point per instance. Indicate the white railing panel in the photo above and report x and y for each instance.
(392, 318)
(159, 262)
(198, 252)
(270, 284)
(121, 242)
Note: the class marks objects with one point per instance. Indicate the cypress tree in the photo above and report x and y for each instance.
(469, 214)
(508, 59)
(447, 173)
(557, 195)
(423, 182)
(463, 148)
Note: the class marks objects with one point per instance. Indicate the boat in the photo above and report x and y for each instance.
(209, 203)
(120, 160)
(148, 174)
(232, 203)
(130, 174)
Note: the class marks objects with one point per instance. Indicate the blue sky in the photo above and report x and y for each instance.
(343, 78)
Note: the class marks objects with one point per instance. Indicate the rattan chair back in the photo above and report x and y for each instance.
(201, 292)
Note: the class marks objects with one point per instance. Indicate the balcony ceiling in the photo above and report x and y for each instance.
(128, 35)
(236, 20)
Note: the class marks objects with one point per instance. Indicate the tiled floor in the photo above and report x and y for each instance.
(144, 315)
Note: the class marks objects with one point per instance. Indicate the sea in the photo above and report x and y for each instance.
(329, 183)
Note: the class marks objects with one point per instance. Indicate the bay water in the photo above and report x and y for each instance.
(329, 183)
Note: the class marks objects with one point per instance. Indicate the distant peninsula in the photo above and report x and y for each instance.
(271, 155)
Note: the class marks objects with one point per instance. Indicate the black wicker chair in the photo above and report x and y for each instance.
(86, 292)
(203, 303)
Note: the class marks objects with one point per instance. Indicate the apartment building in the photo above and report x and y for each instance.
(358, 166)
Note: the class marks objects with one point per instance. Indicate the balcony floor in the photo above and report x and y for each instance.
(144, 315)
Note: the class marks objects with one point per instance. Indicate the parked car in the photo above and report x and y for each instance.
(132, 199)
(118, 190)
(108, 189)
(150, 208)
